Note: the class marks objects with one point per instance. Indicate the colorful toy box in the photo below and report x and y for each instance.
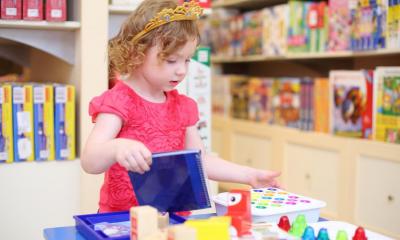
(43, 121)
(23, 122)
(6, 124)
(64, 122)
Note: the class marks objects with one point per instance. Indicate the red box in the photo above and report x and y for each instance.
(32, 10)
(56, 10)
(11, 9)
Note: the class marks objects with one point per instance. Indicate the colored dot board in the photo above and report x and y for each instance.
(268, 204)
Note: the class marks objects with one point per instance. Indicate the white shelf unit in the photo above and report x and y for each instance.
(48, 194)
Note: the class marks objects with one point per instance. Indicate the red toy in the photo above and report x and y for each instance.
(360, 234)
(239, 209)
(284, 223)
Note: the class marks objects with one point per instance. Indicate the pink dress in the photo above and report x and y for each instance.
(159, 126)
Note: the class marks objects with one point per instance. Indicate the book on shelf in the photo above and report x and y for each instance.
(286, 102)
(175, 182)
(387, 104)
(351, 103)
(321, 105)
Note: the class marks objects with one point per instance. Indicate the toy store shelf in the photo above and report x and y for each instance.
(308, 138)
(304, 56)
(113, 9)
(245, 4)
(42, 25)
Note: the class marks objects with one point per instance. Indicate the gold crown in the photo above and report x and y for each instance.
(187, 11)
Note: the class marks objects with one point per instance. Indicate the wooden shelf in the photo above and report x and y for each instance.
(309, 138)
(245, 4)
(41, 25)
(304, 56)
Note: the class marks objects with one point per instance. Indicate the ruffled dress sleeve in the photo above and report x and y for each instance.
(190, 109)
(111, 101)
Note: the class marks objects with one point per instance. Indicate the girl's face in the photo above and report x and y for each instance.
(165, 75)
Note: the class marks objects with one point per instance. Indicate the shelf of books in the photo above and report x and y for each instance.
(311, 86)
(352, 103)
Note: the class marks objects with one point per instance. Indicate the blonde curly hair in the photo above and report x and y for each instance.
(125, 56)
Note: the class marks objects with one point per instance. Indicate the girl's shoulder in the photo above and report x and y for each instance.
(115, 100)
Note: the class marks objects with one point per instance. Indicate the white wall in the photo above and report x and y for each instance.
(37, 195)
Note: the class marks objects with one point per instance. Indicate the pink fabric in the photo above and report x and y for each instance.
(159, 126)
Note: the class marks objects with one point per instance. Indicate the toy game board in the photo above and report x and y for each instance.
(269, 204)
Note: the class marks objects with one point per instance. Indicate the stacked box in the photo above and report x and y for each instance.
(286, 102)
(339, 25)
(6, 124)
(387, 104)
(64, 122)
(23, 122)
(260, 99)
(252, 39)
(56, 10)
(32, 10)
(275, 25)
(11, 9)
(43, 111)
(240, 98)
(298, 30)
(317, 21)
(351, 103)
(321, 105)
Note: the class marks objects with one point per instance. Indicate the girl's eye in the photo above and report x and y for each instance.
(188, 60)
(171, 61)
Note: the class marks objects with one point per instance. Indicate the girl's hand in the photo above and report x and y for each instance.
(263, 178)
(133, 155)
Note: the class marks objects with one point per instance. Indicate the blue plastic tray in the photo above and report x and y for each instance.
(85, 223)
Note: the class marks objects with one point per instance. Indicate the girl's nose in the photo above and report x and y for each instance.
(181, 70)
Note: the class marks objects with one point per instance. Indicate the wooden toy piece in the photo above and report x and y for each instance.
(163, 220)
(143, 222)
(159, 235)
(182, 232)
(215, 228)
(239, 209)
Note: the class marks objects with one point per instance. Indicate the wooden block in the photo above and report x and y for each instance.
(182, 232)
(143, 222)
(163, 220)
(159, 235)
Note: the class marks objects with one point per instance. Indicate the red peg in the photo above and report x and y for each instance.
(284, 223)
(360, 234)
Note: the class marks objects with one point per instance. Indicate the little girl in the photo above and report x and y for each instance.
(143, 114)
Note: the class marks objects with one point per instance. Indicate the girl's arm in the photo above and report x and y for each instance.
(219, 169)
(103, 149)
